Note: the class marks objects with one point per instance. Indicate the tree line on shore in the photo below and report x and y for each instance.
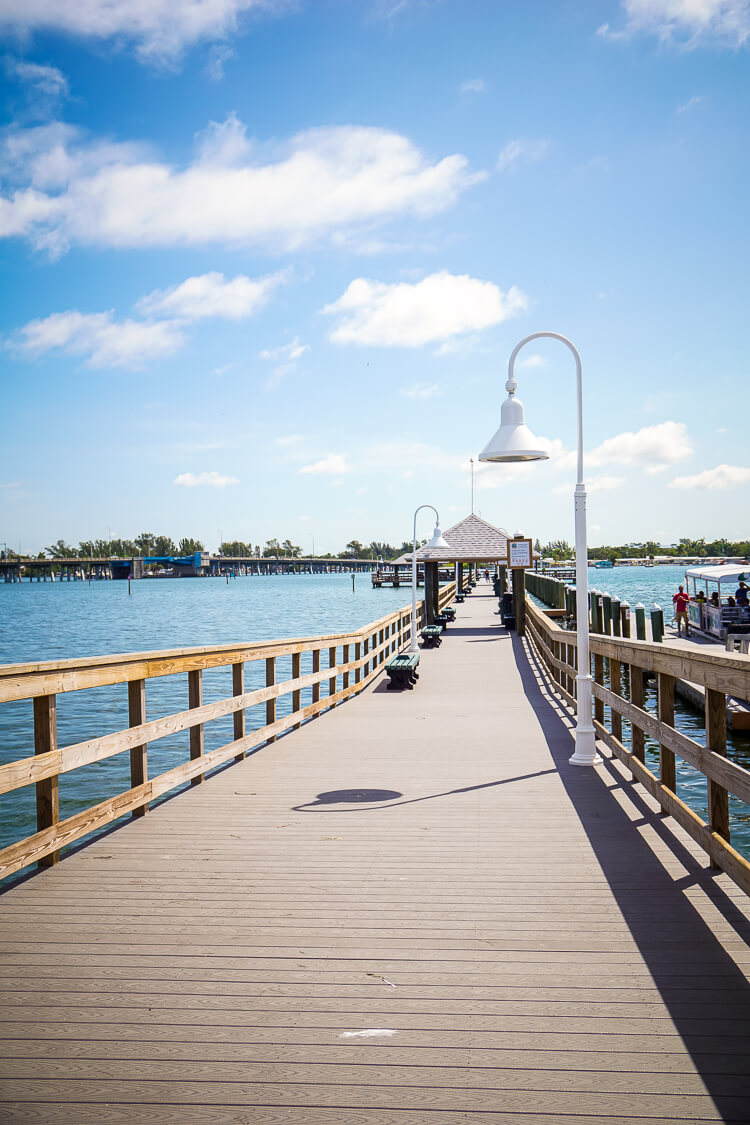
(560, 550)
(147, 544)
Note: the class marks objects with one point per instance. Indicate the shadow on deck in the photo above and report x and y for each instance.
(704, 990)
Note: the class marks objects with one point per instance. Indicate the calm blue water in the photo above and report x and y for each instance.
(51, 621)
(658, 584)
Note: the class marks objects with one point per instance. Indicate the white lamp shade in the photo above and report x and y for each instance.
(437, 540)
(514, 441)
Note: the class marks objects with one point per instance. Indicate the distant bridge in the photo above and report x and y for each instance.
(200, 564)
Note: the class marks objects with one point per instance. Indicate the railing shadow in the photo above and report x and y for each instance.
(705, 992)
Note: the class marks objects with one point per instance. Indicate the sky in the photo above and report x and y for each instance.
(264, 263)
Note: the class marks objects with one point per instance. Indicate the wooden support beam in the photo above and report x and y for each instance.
(615, 683)
(637, 697)
(271, 703)
(238, 688)
(297, 694)
(47, 791)
(716, 740)
(332, 664)
(195, 699)
(316, 668)
(667, 774)
(138, 754)
(599, 679)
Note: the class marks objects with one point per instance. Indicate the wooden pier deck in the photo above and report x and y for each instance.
(412, 910)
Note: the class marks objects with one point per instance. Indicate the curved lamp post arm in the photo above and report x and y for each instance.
(511, 384)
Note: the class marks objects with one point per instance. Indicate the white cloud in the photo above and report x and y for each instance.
(286, 353)
(473, 86)
(159, 29)
(219, 54)
(653, 448)
(333, 464)
(211, 294)
(420, 390)
(532, 361)
(211, 480)
(288, 439)
(322, 184)
(441, 306)
(104, 341)
(723, 476)
(691, 103)
(521, 150)
(285, 357)
(686, 22)
(45, 81)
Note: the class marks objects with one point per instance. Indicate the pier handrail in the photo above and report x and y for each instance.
(363, 652)
(720, 673)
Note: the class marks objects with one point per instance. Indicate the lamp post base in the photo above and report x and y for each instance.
(585, 752)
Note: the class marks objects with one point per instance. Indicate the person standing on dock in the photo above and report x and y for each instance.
(680, 601)
(741, 593)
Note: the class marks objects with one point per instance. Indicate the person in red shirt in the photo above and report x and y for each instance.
(680, 601)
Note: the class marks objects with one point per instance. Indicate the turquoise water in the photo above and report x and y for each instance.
(54, 621)
(657, 584)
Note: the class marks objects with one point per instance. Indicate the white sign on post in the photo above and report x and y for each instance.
(519, 554)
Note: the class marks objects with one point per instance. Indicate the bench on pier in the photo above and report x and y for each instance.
(431, 635)
(449, 612)
(402, 670)
(460, 597)
(442, 619)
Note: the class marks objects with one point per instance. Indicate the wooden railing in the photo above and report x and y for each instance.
(341, 665)
(719, 673)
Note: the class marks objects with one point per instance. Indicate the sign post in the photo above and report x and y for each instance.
(520, 556)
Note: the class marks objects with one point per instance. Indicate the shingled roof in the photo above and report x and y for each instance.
(471, 540)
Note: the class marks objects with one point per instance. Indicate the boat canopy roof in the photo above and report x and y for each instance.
(719, 574)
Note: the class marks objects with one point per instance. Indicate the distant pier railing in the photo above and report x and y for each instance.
(341, 664)
(719, 673)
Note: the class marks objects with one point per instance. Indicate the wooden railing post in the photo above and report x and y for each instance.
(138, 754)
(270, 703)
(637, 698)
(598, 679)
(47, 791)
(716, 740)
(316, 668)
(665, 686)
(345, 660)
(195, 699)
(238, 688)
(615, 683)
(296, 692)
(357, 657)
(366, 647)
(332, 664)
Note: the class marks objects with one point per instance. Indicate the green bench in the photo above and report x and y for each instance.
(431, 635)
(449, 612)
(442, 619)
(402, 670)
(460, 597)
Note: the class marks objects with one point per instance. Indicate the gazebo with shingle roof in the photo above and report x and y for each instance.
(472, 540)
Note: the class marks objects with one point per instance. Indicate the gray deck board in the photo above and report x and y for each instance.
(559, 953)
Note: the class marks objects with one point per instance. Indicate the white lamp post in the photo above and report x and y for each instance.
(436, 541)
(515, 442)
